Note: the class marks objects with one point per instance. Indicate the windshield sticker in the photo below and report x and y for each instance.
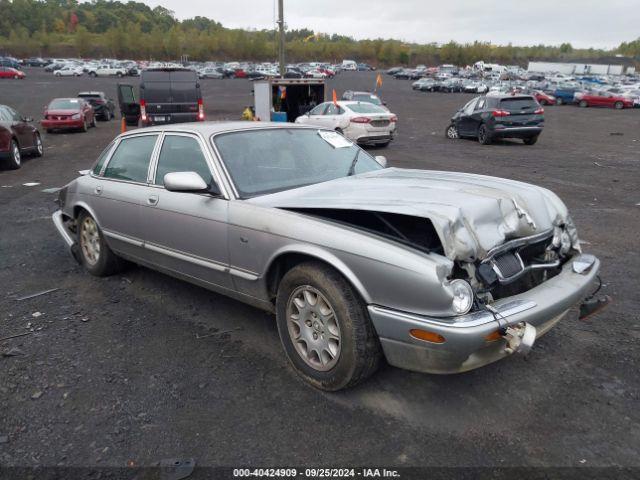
(334, 139)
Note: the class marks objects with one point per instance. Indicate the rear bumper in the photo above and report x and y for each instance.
(465, 346)
(516, 132)
(375, 139)
(58, 221)
(162, 119)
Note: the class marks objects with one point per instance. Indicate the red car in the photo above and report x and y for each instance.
(68, 113)
(17, 138)
(544, 98)
(605, 100)
(8, 72)
(239, 73)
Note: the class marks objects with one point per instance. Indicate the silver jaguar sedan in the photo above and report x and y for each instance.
(438, 272)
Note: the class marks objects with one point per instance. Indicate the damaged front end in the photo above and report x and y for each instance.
(521, 264)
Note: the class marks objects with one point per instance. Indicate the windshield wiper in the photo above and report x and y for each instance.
(352, 168)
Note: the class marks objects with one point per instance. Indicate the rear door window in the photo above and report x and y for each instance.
(131, 159)
(157, 92)
(184, 92)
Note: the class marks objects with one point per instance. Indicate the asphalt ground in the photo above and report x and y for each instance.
(141, 367)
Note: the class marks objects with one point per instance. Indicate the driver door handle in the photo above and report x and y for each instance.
(98, 189)
(152, 200)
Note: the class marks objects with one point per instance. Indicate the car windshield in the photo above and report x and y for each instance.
(64, 104)
(365, 108)
(367, 98)
(272, 160)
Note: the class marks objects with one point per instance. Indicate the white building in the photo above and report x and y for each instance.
(575, 68)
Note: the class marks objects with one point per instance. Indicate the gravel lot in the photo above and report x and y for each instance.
(116, 370)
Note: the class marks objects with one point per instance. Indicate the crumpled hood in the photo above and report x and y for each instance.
(471, 213)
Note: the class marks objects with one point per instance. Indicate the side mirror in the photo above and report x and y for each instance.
(382, 160)
(186, 182)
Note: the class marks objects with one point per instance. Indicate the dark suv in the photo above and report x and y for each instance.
(167, 95)
(491, 117)
(102, 106)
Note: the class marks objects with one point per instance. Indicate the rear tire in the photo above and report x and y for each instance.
(618, 105)
(559, 101)
(325, 328)
(530, 140)
(583, 104)
(484, 137)
(95, 255)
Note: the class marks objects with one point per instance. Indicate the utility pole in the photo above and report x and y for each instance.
(281, 32)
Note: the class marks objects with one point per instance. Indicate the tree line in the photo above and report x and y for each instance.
(133, 30)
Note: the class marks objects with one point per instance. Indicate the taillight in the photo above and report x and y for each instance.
(143, 110)
(500, 113)
(360, 120)
(539, 111)
(200, 110)
(393, 119)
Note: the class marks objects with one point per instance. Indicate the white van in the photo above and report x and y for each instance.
(349, 65)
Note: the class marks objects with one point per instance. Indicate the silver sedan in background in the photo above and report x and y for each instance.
(437, 272)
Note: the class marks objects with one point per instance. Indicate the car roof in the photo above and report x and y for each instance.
(211, 128)
(90, 93)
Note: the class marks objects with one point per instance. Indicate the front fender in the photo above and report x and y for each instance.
(325, 256)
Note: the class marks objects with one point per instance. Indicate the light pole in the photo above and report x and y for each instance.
(281, 39)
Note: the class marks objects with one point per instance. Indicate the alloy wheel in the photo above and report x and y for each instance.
(90, 241)
(452, 132)
(313, 328)
(39, 147)
(17, 158)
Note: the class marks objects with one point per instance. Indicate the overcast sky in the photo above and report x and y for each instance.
(583, 23)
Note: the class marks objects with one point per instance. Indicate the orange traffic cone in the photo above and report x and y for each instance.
(123, 126)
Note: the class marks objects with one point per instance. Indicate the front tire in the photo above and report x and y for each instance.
(484, 137)
(530, 140)
(618, 105)
(559, 101)
(324, 328)
(95, 255)
(583, 104)
(452, 132)
(15, 158)
(39, 150)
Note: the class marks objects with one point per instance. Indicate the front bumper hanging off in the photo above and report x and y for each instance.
(479, 338)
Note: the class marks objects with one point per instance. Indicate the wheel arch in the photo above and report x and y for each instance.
(286, 259)
(80, 207)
